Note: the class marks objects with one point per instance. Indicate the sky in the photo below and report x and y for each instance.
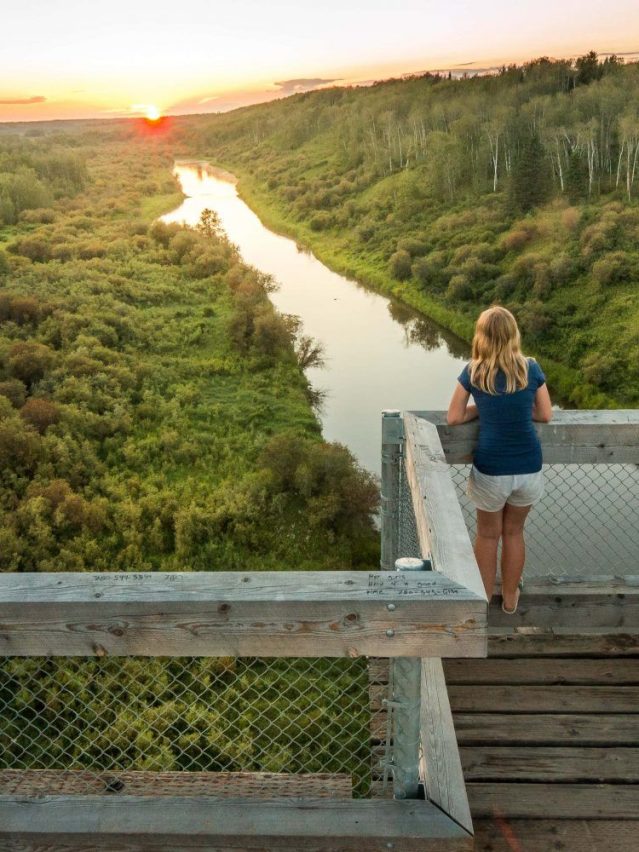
(73, 58)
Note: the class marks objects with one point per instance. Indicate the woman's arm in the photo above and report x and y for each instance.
(459, 411)
(542, 406)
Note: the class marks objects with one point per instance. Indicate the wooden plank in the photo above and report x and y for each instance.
(572, 606)
(544, 699)
(378, 669)
(554, 801)
(270, 613)
(529, 670)
(572, 437)
(552, 671)
(440, 524)
(550, 764)
(441, 766)
(566, 642)
(542, 728)
(542, 835)
(231, 823)
(262, 785)
(378, 725)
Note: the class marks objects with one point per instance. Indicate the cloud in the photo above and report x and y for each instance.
(302, 84)
(37, 99)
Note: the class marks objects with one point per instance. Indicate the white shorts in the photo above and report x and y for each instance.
(491, 493)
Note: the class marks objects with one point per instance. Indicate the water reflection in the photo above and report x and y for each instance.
(424, 332)
(378, 353)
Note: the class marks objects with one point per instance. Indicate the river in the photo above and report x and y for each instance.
(378, 353)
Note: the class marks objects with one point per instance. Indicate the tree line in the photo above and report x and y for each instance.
(518, 187)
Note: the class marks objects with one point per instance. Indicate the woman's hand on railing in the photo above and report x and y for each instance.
(459, 411)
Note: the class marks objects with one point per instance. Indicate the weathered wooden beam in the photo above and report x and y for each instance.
(551, 764)
(562, 642)
(478, 698)
(494, 728)
(136, 782)
(441, 766)
(588, 672)
(542, 835)
(538, 671)
(206, 822)
(554, 801)
(587, 603)
(572, 437)
(440, 524)
(281, 614)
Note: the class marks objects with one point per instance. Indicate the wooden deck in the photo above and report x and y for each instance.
(548, 732)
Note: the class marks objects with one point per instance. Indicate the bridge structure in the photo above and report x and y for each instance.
(381, 709)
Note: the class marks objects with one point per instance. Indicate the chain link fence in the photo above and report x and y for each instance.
(77, 721)
(586, 524)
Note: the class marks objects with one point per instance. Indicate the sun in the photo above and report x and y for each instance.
(152, 113)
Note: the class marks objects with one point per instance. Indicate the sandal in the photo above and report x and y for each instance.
(514, 610)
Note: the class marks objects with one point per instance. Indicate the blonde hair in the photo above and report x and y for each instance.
(496, 346)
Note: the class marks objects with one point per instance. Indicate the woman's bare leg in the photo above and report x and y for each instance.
(513, 552)
(489, 528)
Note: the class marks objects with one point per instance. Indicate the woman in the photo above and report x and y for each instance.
(506, 478)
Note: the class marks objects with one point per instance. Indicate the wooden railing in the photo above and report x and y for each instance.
(416, 618)
(606, 598)
(571, 437)
(285, 614)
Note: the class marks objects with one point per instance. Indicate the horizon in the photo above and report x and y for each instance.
(118, 63)
(458, 73)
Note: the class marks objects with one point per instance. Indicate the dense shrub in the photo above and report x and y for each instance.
(24, 310)
(41, 215)
(40, 413)
(605, 370)
(34, 248)
(599, 237)
(325, 477)
(415, 247)
(613, 268)
(321, 221)
(459, 287)
(162, 232)
(522, 234)
(29, 361)
(15, 391)
(429, 270)
(19, 449)
(562, 268)
(400, 265)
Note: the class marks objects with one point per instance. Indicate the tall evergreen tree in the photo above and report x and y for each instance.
(577, 177)
(529, 182)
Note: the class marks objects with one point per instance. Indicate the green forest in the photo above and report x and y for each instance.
(519, 188)
(153, 411)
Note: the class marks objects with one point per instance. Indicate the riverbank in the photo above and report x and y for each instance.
(566, 383)
(414, 362)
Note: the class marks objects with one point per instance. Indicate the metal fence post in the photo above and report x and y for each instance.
(405, 672)
(392, 437)
(407, 676)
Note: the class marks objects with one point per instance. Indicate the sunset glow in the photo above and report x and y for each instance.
(208, 58)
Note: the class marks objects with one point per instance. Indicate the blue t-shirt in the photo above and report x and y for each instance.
(508, 442)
